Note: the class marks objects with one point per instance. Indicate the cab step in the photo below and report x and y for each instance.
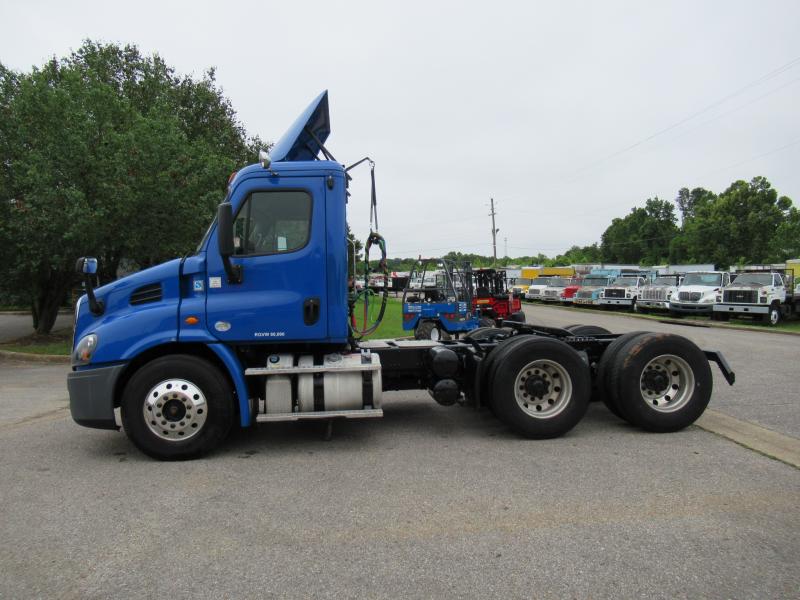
(365, 413)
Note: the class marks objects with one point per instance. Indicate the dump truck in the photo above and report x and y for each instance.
(256, 326)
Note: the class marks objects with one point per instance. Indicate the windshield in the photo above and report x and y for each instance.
(559, 282)
(702, 279)
(595, 281)
(541, 281)
(626, 282)
(664, 281)
(758, 278)
(522, 281)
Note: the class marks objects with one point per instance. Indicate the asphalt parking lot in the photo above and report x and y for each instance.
(427, 502)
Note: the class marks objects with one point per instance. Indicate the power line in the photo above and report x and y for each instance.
(752, 158)
(774, 73)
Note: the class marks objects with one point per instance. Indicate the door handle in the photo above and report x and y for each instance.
(311, 310)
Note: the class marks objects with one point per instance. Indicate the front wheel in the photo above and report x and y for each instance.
(177, 407)
(773, 317)
(540, 388)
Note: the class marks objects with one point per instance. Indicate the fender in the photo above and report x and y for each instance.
(235, 370)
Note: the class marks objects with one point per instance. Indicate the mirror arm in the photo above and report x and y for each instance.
(234, 272)
(96, 307)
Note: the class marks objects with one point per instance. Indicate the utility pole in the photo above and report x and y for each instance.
(505, 246)
(494, 233)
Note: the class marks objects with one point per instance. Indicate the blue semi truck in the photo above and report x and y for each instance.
(255, 326)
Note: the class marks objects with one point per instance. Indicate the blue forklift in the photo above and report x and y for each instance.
(437, 301)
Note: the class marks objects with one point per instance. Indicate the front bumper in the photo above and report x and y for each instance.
(585, 301)
(91, 396)
(654, 304)
(750, 309)
(616, 301)
(691, 309)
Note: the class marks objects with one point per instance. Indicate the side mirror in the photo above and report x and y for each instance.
(225, 242)
(87, 266)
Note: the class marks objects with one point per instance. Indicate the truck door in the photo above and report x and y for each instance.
(279, 240)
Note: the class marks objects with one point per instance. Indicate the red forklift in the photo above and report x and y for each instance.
(492, 297)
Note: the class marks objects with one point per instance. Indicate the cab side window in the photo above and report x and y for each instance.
(273, 223)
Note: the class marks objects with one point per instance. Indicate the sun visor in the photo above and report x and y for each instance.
(298, 143)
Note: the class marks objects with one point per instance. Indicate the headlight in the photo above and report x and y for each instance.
(83, 352)
(707, 300)
(719, 298)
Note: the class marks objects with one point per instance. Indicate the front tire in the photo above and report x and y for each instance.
(540, 388)
(773, 317)
(177, 407)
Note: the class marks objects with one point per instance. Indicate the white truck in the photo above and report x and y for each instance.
(536, 288)
(554, 292)
(623, 292)
(657, 295)
(764, 295)
(698, 292)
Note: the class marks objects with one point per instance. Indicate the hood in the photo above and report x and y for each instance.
(703, 289)
(299, 143)
(747, 286)
(148, 287)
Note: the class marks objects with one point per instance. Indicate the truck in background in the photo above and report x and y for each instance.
(759, 291)
(554, 292)
(698, 292)
(591, 286)
(537, 288)
(623, 291)
(657, 294)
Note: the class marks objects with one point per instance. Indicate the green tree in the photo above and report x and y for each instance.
(109, 153)
(642, 236)
(739, 226)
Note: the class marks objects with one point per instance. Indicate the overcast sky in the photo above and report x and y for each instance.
(566, 113)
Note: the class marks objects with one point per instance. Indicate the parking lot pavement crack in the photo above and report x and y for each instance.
(770, 443)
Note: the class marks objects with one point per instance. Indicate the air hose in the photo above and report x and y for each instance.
(366, 294)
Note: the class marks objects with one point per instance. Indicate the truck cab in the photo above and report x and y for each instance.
(657, 295)
(554, 292)
(623, 292)
(698, 292)
(537, 287)
(282, 281)
(589, 292)
(762, 295)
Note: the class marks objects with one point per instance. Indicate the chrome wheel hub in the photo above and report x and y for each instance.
(175, 410)
(667, 383)
(543, 389)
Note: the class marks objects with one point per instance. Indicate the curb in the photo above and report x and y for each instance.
(770, 443)
(35, 358)
(668, 321)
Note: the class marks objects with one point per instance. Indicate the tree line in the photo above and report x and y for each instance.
(747, 223)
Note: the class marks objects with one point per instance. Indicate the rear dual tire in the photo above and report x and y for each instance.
(539, 387)
(659, 382)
